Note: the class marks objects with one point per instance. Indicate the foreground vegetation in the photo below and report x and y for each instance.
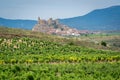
(63, 71)
(42, 57)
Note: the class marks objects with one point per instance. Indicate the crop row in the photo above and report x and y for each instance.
(58, 59)
(26, 50)
(63, 71)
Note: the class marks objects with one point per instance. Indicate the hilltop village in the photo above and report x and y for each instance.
(56, 28)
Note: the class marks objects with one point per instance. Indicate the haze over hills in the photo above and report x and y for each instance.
(23, 24)
(101, 19)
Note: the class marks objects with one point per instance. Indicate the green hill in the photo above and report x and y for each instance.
(34, 56)
(90, 41)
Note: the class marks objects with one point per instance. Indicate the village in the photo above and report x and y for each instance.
(54, 27)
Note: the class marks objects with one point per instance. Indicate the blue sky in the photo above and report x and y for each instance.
(31, 9)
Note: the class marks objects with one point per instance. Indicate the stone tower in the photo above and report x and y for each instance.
(38, 20)
(57, 21)
(50, 21)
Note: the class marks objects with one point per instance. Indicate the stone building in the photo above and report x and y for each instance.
(51, 26)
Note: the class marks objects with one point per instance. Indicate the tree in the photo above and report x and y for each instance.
(103, 43)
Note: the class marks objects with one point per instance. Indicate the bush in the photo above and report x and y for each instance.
(30, 77)
(71, 43)
(103, 43)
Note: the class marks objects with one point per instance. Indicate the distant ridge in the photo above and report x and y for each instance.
(18, 23)
(100, 19)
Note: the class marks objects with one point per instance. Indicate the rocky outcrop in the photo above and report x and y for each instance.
(54, 27)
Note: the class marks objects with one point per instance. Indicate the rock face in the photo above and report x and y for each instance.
(54, 27)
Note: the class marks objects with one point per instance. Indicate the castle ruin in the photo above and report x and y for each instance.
(51, 26)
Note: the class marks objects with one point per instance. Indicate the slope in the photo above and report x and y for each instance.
(22, 24)
(24, 56)
(101, 19)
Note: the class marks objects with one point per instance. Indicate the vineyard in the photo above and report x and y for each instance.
(31, 58)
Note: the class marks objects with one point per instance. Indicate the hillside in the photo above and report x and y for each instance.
(101, 19)
(22, 24)
(28, 55)
(89, 41)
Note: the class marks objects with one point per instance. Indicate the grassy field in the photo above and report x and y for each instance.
(36, 56)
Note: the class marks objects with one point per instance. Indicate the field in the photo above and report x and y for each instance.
(35, 56)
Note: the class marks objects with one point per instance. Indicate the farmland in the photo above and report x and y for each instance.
(36, 56)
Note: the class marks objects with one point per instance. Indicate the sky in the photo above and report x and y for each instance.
(45, 9)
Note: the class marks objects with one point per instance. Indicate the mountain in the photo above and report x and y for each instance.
(23, 24)
(101, 19)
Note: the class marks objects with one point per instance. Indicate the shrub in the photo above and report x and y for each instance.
(1, 61)
(30, 77)
(103, 43)
(17, 68)
(13, 61)
(71, 43)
